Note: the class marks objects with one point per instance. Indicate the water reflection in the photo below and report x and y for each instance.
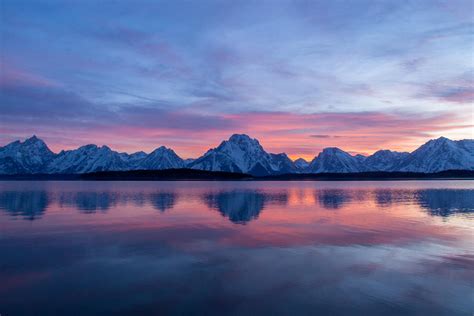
(30, 205)
(446, 202)
(333, 198)
(294, 257)
(91, 202)
(239, 206)
(163, 201)
(438, 202)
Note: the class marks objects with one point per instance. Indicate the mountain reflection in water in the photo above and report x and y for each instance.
(239, 206)
(236, 248)
(242, 206)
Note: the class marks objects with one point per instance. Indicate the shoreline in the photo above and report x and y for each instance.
(201, 175)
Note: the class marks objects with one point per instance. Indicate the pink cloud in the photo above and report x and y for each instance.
(10, 76)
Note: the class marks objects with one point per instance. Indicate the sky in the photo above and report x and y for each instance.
(297, 75)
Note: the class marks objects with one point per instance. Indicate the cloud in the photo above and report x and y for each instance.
(459, 89)
(298, 76)
(320, 136)
(12, 77)
(190, 131)
(458, 94)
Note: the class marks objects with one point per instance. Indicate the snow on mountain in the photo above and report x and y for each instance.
(238, 154)
(91, 158)
(161, 158)
(30, 156)
(335, 160)
(383, 160)
(282, 164)
(88, 158)
(438, 155)
(33, 156)
(243, 154)
(301, 164)
(188, 161)
(133, 157)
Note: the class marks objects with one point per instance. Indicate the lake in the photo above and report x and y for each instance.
(236, 248)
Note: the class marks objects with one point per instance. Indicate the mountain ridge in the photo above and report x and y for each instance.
(239, 154)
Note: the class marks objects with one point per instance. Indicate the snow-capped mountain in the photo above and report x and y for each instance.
(301, 164)
(238, 154)
(88, 158)
(30, 156)
(33, 156)
(133, 158)
(383, 160)
(335, 160)
(188, 161)
(91, 158)
(161, 158)
(243, 154)
(438, 155)
(282, 164)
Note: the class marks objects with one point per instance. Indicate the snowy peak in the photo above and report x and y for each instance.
(33, 156)
(88, 158)
(244, 142)
(30, 156)
(333, 159)
(91, 158)
(34, 141)
(242, 138)
(240, 153)
(334, 151)
(282, 164)
(161, 158)
(301, 164)
(383, 160)
(440, 154)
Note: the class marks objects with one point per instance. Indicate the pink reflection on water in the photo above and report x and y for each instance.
(245, 214)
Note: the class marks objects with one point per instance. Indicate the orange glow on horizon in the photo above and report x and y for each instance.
(298, 135)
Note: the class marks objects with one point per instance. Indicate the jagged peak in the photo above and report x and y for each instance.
(385, 152)
(33, 140)
(162, 149)
(281, 155)
(89, 146)
(440, 140)
(15, 143)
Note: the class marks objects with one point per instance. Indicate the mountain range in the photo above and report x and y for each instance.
(239, 153)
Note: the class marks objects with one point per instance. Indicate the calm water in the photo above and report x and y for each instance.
(237, 248)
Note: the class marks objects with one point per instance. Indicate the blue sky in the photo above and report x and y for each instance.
(298, 75)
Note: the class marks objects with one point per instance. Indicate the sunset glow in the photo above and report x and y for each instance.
(298, 76)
